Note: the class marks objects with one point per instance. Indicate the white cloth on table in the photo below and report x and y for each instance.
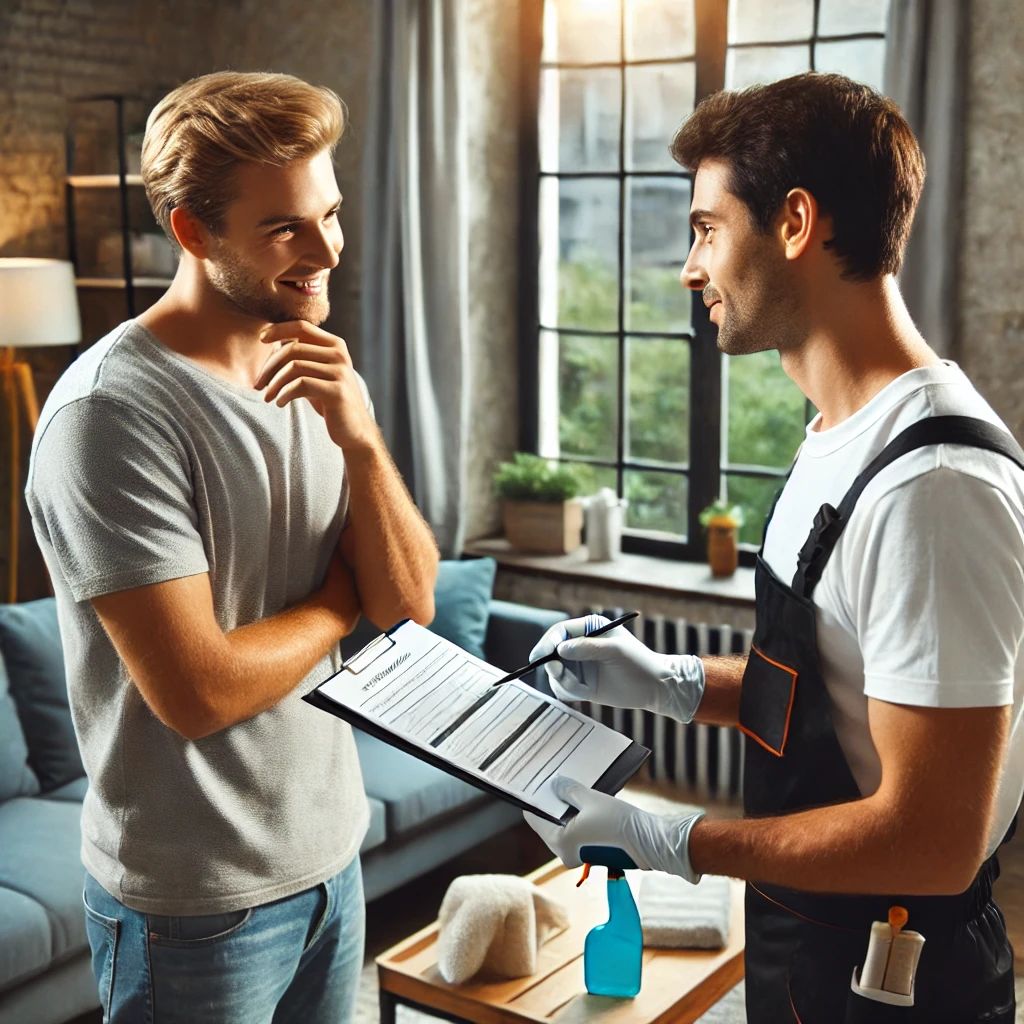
(495, 924)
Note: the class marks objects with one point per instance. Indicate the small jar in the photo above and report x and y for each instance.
(723, 546)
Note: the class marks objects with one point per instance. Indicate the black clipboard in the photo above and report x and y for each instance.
(617, 774)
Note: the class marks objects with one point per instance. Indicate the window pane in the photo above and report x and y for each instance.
(657, 501)
(659, 28)
(658, 100)
(576, 32)
(659, 400)
(842, 17)
(656, 247)
(580, 113)
(863, 60)
(760, 65)
(579, 239)
(593, 478)
(588, 396)
(756, 495)
(765, 411)
(755, 21)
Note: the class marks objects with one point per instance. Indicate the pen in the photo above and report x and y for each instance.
(553, 656)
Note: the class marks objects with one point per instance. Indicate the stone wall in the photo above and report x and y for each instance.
(492, 129)
(991, 324)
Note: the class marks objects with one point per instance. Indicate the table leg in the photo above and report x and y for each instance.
(387, 1003)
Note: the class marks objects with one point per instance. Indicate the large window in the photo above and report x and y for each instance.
(623, 377)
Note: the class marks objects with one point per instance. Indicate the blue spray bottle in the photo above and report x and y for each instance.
(613, 951)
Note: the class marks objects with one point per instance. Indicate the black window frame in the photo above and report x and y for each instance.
(705, 472)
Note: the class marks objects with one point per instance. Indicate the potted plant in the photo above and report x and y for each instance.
(540, 510)
(723, 520)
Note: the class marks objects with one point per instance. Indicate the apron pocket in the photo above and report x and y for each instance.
(766, 701)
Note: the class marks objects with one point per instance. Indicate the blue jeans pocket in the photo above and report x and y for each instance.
(196, 931)
(102, 932)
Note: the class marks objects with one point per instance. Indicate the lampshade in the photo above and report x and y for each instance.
(38, 303)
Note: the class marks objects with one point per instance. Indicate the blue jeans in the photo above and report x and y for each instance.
(296, 959)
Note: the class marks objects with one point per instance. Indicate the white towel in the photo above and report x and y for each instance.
(494, 923)
(678, 915)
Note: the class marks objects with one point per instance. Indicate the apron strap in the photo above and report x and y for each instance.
(829, 522)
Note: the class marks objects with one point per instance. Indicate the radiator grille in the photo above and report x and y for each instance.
(706, 759)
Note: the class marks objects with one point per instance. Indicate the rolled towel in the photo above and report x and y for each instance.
(495, 924)
(677, 915)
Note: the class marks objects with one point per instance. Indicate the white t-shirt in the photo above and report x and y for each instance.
(922, 601)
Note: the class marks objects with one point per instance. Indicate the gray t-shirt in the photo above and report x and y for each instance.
(146, 468)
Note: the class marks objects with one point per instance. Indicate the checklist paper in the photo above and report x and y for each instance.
(422, 693)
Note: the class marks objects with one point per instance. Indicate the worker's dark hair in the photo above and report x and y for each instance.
(850, 147)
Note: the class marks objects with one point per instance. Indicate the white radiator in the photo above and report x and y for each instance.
(706, 759)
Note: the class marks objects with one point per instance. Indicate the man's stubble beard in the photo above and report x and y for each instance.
(242, 290)
(766, 316)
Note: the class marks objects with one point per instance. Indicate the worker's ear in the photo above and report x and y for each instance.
(797, 222)
(191, 233)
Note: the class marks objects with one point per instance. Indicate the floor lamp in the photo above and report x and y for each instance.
(38, 307)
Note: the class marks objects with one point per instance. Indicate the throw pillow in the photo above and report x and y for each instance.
(462, 598)
(16, 778)
(30, 644)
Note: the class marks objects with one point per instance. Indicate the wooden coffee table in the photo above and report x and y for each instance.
(678, 985)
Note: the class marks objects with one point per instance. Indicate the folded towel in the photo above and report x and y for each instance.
(677, 915)
(494, 923)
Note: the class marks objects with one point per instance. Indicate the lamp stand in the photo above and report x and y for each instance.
(19, 391)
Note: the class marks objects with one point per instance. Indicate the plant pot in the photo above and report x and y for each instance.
(723, 546)
(546, 527)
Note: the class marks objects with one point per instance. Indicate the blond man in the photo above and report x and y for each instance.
(217, 509)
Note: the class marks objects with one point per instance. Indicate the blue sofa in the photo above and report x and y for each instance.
(420, 817)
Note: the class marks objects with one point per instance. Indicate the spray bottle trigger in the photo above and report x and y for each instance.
(607, 856)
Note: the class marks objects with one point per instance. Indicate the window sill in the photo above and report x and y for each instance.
(642, 573)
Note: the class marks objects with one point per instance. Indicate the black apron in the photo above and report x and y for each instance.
(801, 948)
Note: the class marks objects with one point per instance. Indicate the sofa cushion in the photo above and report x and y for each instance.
(45, 864)
(462, 597)
(74, 790)
(513, 630)
(30, 643)
(413, 792)
(16, 778)
(24, 937)
(377, 832)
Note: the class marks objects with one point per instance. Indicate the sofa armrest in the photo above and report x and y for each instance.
(512, 631)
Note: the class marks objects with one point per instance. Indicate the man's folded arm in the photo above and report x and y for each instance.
(198, 679)
(387, 543)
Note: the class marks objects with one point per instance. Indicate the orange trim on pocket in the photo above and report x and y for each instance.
(789, 709)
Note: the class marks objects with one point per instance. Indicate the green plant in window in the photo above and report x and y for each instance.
(723, 512)
(531, 478)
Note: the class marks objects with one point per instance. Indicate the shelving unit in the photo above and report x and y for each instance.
(123, 183)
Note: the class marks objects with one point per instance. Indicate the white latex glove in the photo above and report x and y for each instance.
(654, 842)
(617, 670)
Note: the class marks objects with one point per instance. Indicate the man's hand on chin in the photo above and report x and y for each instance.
(316, 365)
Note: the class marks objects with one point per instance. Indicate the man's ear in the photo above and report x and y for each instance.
(192, 234)
(797, 222)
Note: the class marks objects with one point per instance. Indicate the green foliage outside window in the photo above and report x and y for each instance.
(766, 410)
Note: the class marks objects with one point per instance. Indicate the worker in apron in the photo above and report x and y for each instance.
(882, 705)
(802, 947)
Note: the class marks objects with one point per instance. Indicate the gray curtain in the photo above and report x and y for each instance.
(414, 307)
(925, 73)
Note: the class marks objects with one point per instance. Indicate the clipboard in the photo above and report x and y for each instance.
(615, 776)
